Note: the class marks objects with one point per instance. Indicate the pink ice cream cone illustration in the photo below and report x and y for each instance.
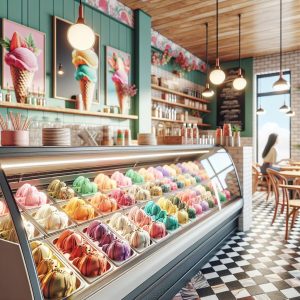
(86, 62)
(120, 78)
(120, 68)
(21, 57)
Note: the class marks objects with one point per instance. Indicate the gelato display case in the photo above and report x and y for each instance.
(112, 223)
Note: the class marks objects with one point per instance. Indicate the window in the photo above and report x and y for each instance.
(273, 121)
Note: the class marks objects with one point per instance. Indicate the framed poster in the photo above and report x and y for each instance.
(118, 66)
(25, 50)
(230, 102)
(65, 86)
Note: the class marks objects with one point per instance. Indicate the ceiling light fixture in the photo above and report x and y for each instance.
(81, 36)
(290, 113)
(60, 70)
(260, 110)
(239, 83)
(207, 92)
(281, 84)
(284, 108)
(217, 76)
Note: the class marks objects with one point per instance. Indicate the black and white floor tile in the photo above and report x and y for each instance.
(258, 264)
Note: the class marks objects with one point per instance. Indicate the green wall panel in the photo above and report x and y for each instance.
(3, 9)
(142, 60)
(13, 13)
(33, 13)
(58, 8)
(68, 10)
(113, 33)
(38, 15)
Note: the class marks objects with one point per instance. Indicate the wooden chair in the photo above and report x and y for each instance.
(276, 180)
(292, 205)
(260, 180)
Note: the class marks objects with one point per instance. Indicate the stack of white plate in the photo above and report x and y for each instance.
(56, 137)
(147, 139)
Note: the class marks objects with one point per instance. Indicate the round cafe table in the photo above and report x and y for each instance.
(289, 168)
(290, 174)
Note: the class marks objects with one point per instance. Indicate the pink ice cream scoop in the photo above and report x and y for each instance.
(29, 196)
(22, 58)
(120, 77)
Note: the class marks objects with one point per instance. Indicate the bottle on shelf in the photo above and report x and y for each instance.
(186, 116)
(189, 134)
(184, 133)
(195, 134)
(1, 95)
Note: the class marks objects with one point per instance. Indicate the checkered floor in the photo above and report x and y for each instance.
(258, 264)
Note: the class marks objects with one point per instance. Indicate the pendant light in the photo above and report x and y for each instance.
(81, 36)
(260, 110)
(217, 76)
(281, 84)
(290, 113)
(207, 92)
(240, 82)
(60, 70)
(284, 108)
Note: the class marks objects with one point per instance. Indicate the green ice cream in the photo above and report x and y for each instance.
(84, 71)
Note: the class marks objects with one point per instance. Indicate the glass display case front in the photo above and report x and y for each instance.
(82, 219)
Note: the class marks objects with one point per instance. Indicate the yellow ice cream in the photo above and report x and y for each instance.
(85, 57)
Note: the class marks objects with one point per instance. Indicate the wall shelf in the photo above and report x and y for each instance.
(179, 105)
(163, 89)
(179, 122)
(67, 111)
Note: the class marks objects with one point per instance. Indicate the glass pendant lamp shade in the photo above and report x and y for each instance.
(217, 76)
(239, 83)
(281, 84)
(80, 36)
(207, 92)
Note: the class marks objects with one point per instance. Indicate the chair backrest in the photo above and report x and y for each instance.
(276, 179)
(255, 170)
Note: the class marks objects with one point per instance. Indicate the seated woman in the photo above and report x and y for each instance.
(269, 154)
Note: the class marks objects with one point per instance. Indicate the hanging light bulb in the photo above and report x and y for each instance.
(81, 36)
(281, 84)
(217, 76)
(240, 82)
(260, 110)
(284, 108)
(290, 113)
(207, 92)
(60, 70)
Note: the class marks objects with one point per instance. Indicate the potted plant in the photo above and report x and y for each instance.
(236, 129)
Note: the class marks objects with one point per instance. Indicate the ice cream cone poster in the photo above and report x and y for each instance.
(118, 65)
(81, 73)
(23, 59)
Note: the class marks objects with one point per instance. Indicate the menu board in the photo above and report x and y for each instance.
(230, 102)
